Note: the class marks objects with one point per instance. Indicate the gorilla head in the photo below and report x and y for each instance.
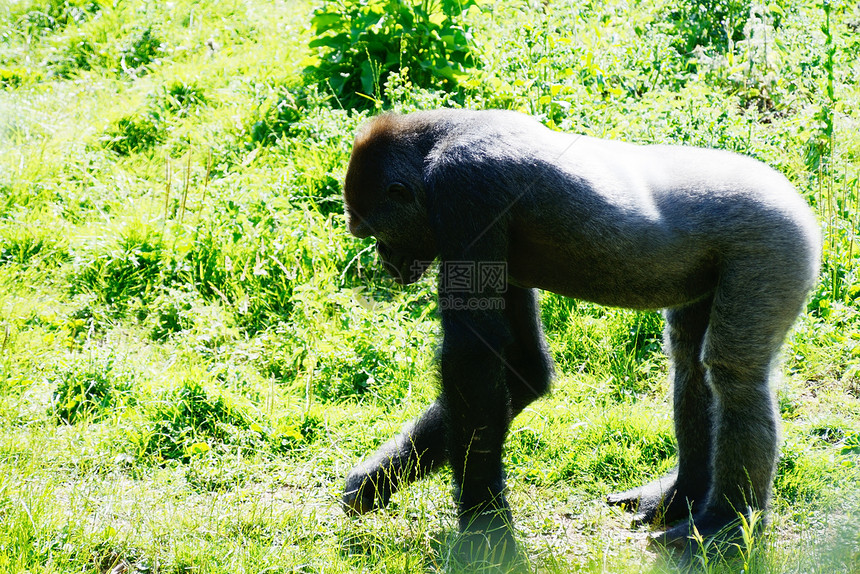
(385, 198)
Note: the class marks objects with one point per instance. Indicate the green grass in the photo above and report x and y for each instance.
(194, 352)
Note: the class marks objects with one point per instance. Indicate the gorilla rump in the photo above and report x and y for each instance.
(720, 241)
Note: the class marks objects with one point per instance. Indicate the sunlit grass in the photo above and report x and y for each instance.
(193, 351)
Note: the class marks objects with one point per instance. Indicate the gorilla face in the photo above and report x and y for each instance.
(387, 202)
(403, 240)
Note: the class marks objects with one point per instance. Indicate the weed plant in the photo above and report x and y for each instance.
(362, 43)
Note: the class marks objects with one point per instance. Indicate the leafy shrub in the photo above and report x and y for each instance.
(76, 53)
(850, 446)
(355, 369)
(363, 42)
(142, 49)
(121, 269)
(170, 312)
(87, 389)
(185, 417)
(752, 66)
(44, 17)
(134, 133)
(291, 432)
(709, 23)
(22, 244)
(279, 119)
(14, 77)
(181, 98)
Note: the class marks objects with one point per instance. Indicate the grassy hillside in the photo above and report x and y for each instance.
(194, 352)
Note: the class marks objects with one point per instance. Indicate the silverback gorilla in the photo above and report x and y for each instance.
(720, 241)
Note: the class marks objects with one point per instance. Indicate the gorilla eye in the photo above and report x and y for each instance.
(400, 192)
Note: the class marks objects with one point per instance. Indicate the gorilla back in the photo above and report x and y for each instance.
(721, 241)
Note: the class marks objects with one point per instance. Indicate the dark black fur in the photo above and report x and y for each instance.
(721, 241)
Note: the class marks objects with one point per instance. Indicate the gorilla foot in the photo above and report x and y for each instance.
(712, 536)
(487, 538)
(659, 502)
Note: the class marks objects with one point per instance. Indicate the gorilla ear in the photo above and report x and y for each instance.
(400, 193)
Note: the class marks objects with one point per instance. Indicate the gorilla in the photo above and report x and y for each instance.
(721, 242)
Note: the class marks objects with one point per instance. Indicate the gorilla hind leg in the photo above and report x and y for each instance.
(671, 497)
(748, 324)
